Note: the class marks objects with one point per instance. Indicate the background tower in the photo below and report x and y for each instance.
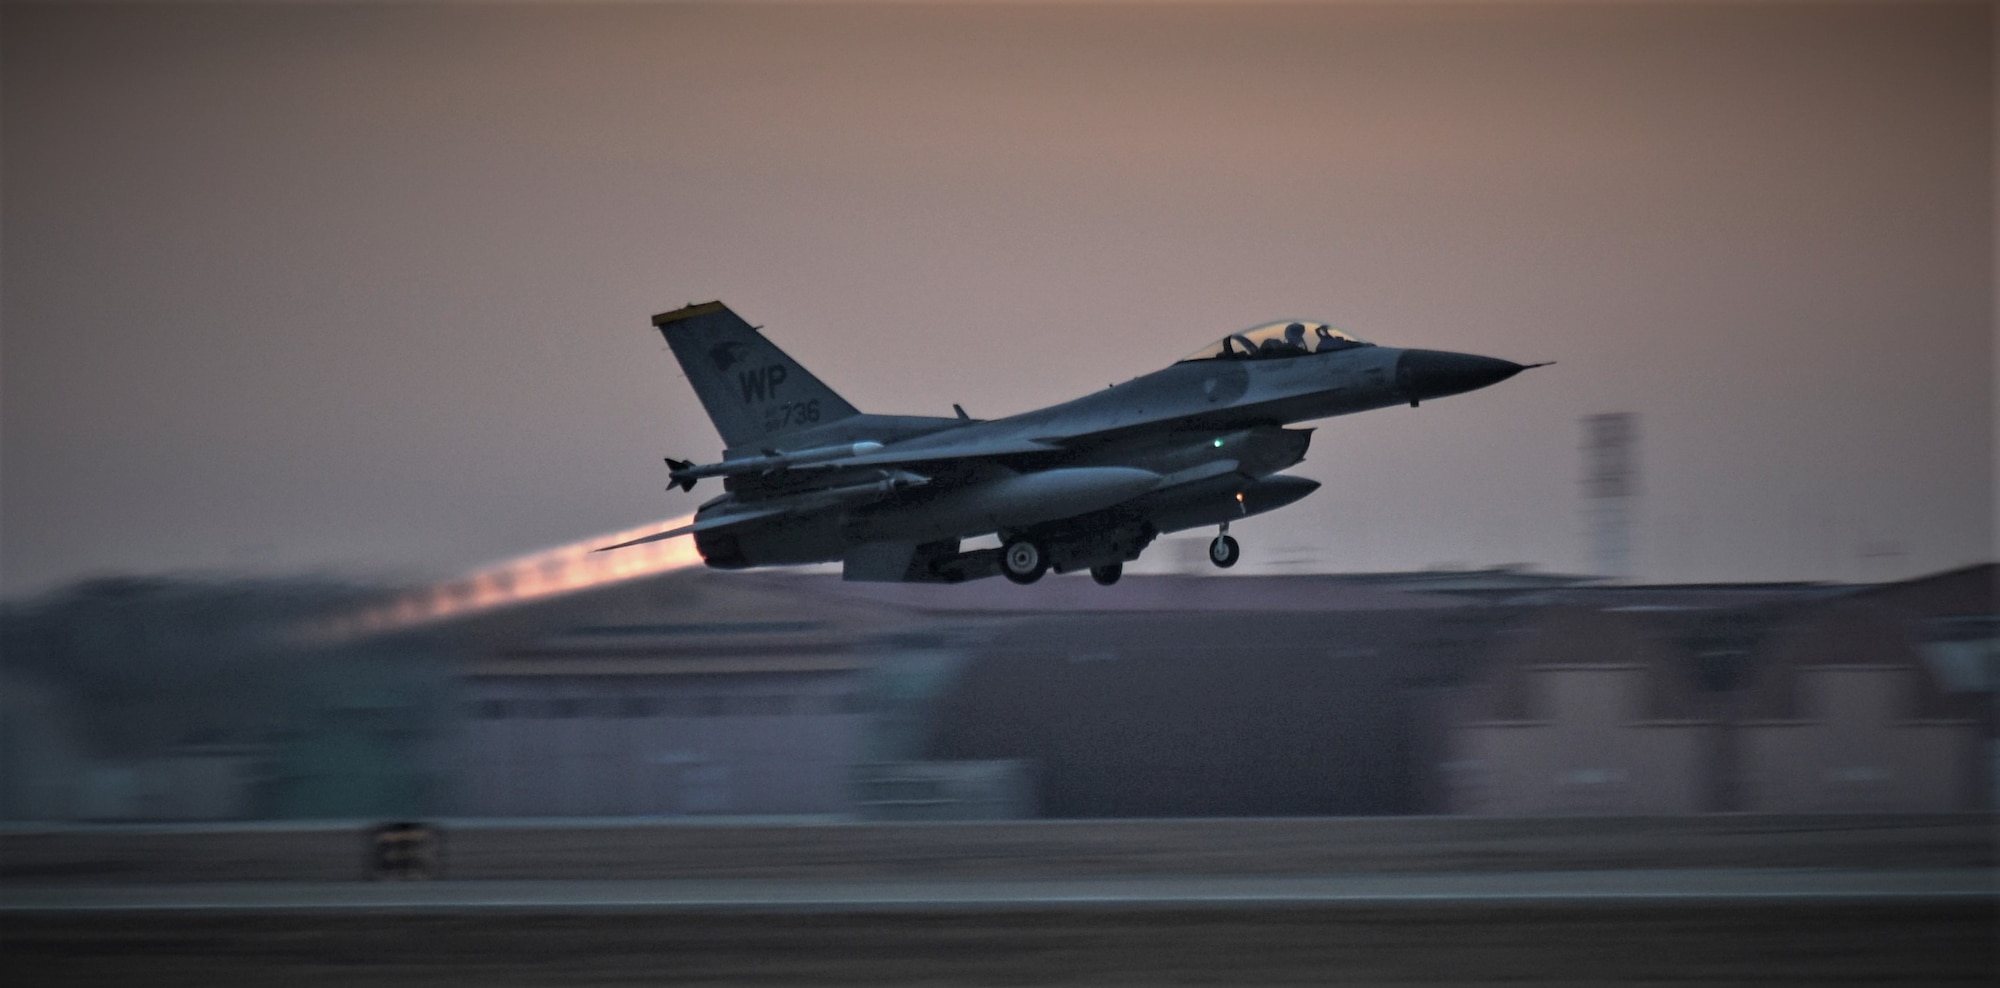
(1610, 482)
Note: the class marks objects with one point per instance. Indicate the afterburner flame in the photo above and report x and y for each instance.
(563, 569)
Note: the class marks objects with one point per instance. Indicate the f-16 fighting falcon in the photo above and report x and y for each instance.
(1083, 485)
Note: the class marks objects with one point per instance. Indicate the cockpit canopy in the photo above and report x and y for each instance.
(1278, 339)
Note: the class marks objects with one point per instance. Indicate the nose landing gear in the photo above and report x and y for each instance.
(1224, 552)
(1107, 574)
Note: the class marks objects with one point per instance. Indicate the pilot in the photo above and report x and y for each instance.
(1295, 337)
(1293, 343)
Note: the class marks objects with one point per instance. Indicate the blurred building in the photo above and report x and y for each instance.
(41, 752)
(1745, 698)
(1216, 713)
(1581, 711)
(186, 783)
(691, 692)
(747, 694)
(673, 695)
(1847, 714)
(683, 691)
(174, 700)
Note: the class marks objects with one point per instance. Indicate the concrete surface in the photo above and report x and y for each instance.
(1690, 886)
(630, 849)
(1737, 900)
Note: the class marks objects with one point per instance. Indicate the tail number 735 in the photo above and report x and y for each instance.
(791, 413)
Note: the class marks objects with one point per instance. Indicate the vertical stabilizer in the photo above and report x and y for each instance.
(754, 393)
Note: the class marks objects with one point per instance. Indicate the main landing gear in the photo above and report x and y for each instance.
(1224, 552)
(1024, 562)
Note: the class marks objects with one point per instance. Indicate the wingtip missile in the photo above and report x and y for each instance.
(677, 473)
(685, 473)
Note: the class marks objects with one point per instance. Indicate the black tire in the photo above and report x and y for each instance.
(1224, 552)
(1107, 574)
(1023, 561)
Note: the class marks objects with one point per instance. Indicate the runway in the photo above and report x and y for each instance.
(1764, 900)
(964, 895)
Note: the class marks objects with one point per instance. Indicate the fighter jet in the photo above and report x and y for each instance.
(1083, 485)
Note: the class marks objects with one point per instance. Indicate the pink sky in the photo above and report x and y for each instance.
(365, 288)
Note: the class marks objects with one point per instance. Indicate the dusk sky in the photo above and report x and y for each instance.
(365, 289)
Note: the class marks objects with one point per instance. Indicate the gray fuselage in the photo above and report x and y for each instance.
(1207, 429)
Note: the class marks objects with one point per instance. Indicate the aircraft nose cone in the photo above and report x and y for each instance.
(1436, 373)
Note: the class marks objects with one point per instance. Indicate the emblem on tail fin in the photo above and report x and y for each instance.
(726, 354)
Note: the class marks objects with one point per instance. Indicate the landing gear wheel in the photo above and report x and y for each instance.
(1023, 561)
(1107, 574)
(1224, 552)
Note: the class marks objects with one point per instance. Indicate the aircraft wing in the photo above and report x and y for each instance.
(704, 525)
